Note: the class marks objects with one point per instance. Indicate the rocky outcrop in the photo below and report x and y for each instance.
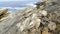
(3, 13)
(32, 20)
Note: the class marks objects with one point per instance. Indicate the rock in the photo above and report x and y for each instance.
(44, 13)
(35, 22)
(45, 31)
(3, 13)
(32, 20)
(52, 26)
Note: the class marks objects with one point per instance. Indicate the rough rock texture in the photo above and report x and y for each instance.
(32, 20)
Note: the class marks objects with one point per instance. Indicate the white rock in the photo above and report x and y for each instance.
(34, 15)
(44, 13)
(35, 21)
(38, 23)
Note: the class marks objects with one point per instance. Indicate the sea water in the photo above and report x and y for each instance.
(13, 6)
